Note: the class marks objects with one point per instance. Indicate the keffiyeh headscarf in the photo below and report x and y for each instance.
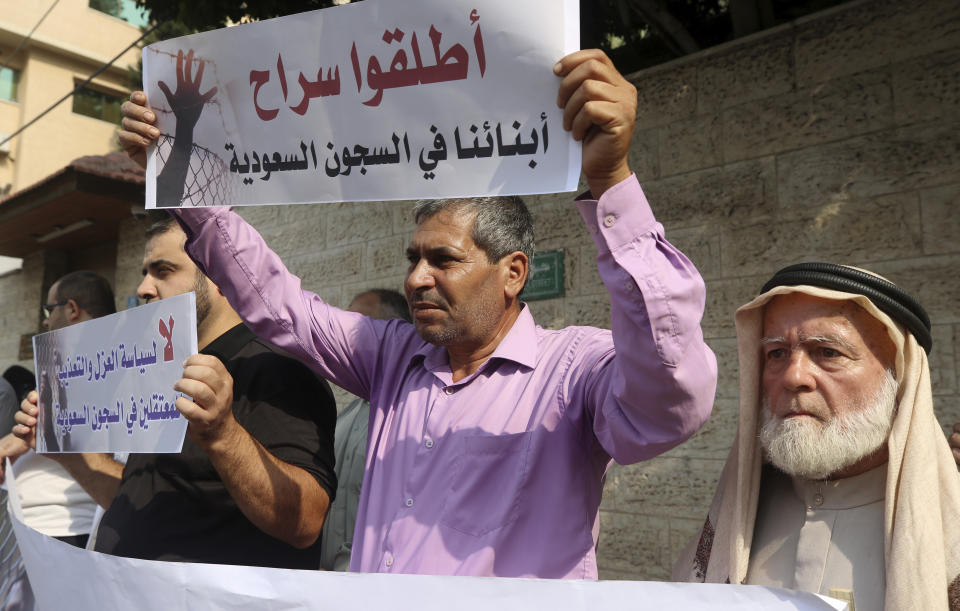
(922, 500)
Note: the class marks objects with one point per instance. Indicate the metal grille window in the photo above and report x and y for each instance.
(97, 104)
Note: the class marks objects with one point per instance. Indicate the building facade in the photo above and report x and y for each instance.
(71, 42)
(46, 50)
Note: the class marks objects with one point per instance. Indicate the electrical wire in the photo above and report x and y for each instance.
(27, 37)
(78, 87)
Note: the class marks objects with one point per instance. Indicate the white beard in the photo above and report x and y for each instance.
(808, 448)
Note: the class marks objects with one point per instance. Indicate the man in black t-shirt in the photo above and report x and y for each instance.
(255, 477)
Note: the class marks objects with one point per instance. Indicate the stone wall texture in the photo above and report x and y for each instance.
(833, 138)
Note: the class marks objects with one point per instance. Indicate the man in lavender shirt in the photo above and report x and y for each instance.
(489, 436)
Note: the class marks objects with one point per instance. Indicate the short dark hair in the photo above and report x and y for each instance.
(21, 379)
(501, 225)
(392, 303)
(90, 290)
(161, 225)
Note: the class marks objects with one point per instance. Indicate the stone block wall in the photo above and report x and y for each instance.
(832, 138)
(17, 304)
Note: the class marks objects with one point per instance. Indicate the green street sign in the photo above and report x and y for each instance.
(546, 276)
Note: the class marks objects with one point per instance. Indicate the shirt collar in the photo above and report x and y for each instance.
(229, 344)
(519, 346)
(863, 489)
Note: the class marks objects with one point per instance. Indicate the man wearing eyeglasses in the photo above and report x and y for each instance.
(53, 502)
(77, 297)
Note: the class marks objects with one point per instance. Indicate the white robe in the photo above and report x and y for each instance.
(821, 535)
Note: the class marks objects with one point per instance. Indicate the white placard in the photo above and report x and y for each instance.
(106, 385)
(377, 100)
(64, 576)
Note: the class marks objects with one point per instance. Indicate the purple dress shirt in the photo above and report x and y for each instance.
(500, 473)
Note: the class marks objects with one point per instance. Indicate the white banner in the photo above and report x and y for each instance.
(377, 100)
(106, 385)
(65, 577)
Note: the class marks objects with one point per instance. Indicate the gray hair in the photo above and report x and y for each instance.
(501, 225)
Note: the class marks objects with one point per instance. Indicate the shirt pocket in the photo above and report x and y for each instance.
(489, 482)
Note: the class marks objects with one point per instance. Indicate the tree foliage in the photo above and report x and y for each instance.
(619, 27)
(633, 44)
(211, 14)
(604, 23)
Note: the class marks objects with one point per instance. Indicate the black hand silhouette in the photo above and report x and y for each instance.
(187, 103)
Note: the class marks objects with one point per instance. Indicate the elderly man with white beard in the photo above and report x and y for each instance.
(840, 480)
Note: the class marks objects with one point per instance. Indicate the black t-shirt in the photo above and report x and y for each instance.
(175, 507)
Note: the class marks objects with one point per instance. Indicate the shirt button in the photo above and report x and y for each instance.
(428, 443)
(409, 502)
(448, 390)
(609, 220)
(389, 560)
(818, 499)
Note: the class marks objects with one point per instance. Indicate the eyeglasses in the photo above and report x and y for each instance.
(48, 308)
